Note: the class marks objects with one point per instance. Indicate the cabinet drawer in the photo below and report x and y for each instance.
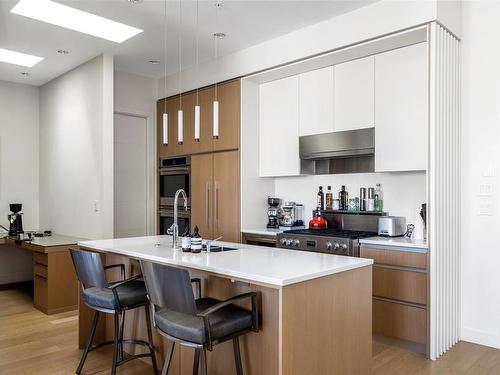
(40, 270)
(394, 257)
(400, 321)
(40, 258)
(40, 293)
(408, 286)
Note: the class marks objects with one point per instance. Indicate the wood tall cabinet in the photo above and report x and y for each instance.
(215, 195)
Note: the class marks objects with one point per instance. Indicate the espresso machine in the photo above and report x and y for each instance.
(273, 213)
(292, 216)
(15, 219)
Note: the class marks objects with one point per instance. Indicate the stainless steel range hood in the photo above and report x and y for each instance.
(350, 151)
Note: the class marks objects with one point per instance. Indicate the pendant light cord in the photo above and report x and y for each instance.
(165, 58)
(180, 54)
(197, 53)
(216, 42)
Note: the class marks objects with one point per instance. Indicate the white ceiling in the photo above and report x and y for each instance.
(245, 22)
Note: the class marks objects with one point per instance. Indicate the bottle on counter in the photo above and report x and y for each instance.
(329, 198)
(362, 199)
(343, 198)
(370, 201)
(196, 241)
(320, 200)
(186, 241)
(378, 199)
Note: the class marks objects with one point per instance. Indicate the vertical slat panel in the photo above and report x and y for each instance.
(444, 189)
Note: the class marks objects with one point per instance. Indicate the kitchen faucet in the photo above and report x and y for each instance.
(174, 229)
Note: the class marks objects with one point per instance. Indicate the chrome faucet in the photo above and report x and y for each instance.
(174, 229)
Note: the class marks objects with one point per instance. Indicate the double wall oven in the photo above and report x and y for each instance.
(174, 174)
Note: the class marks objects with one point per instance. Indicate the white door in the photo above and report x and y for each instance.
(401, 109)
(354, 94)
(130, 174)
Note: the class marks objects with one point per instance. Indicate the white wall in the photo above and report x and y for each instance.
(18, 170)
(76, 151)
(480, 166)
(403, 192)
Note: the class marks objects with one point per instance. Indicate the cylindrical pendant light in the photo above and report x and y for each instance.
(216, 120)
(165, 129)
(197, 123)
(165, 114)
(180, 127)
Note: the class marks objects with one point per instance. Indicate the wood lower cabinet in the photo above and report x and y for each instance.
(399, 293)
(215, 200)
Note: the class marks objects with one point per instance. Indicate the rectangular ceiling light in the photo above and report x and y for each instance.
(75, 19)
(18, 58)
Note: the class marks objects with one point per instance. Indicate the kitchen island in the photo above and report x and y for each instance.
(315, 309)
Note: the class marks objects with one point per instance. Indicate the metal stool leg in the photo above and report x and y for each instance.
(88, 344)
(237, 356)
(150, 338)
(168, 358)
(116, 348)
(196, 361)
(204, 370)
(122, 328)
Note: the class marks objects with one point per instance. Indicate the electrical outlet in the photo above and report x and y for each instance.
(485, 206)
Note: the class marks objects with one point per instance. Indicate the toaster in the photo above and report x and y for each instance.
(391, 226)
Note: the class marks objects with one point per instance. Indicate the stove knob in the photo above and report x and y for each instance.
(283, 241)
(329, 246)
(336, 246)
(288, 243)
(343, 247)
(295, 243)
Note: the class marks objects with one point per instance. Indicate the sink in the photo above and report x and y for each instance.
(218, 249)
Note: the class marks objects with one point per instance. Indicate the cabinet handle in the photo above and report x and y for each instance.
(207, 203)
(40, 277)
(216, 204)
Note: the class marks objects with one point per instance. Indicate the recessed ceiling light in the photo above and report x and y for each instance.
(62, 52)
(219, 35)
(75, 19)
(135, 1)
(18, 58)
(26, 74)
(154, 62)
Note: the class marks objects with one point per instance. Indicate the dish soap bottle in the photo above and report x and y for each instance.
(329, 198)
(186, 241)
(378, 199)
(196, 241)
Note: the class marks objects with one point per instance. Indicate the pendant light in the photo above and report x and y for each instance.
(165, 114)
(215, 131)
(180, 114)
(197, 111)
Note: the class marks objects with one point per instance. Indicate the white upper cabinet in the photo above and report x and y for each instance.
(279, 128)
(316, 101)
(401, 109)
(354, 94)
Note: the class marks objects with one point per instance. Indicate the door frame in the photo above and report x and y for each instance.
(151, 217)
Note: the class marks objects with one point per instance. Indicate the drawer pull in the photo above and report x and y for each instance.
(400, 268)
(40, 277)
(41, 264)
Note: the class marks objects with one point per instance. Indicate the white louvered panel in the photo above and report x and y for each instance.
(444, 189)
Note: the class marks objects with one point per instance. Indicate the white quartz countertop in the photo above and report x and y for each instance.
(55, 240)
(277, 267)
(403, 242)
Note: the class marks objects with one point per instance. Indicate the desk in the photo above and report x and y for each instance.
(55, 286)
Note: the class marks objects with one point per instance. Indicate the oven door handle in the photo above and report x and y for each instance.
(174, 171)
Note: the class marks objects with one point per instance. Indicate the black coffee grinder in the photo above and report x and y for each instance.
(15, 219)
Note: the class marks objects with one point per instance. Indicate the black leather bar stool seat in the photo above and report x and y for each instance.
(111, 298)
(197, 323)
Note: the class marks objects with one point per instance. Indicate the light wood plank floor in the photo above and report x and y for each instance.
(34, 343)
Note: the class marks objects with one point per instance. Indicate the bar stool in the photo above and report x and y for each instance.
(115, 299)
(197, 323)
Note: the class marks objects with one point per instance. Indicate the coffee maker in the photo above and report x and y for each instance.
(292, 215)
(15, 219)
(273, 213)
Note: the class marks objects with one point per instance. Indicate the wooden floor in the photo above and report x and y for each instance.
(34, 343)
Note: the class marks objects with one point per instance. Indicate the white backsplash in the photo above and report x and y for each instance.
(403, 192)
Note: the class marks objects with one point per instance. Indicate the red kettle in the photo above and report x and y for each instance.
(317, 222)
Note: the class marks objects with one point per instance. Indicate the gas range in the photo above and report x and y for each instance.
(329, 241)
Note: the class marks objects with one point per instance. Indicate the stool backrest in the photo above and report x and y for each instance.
(169, 287)
(89, 268)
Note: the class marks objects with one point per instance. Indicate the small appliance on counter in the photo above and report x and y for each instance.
(274, 213)
(15, 220)
(291, 215)
(391, 226)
